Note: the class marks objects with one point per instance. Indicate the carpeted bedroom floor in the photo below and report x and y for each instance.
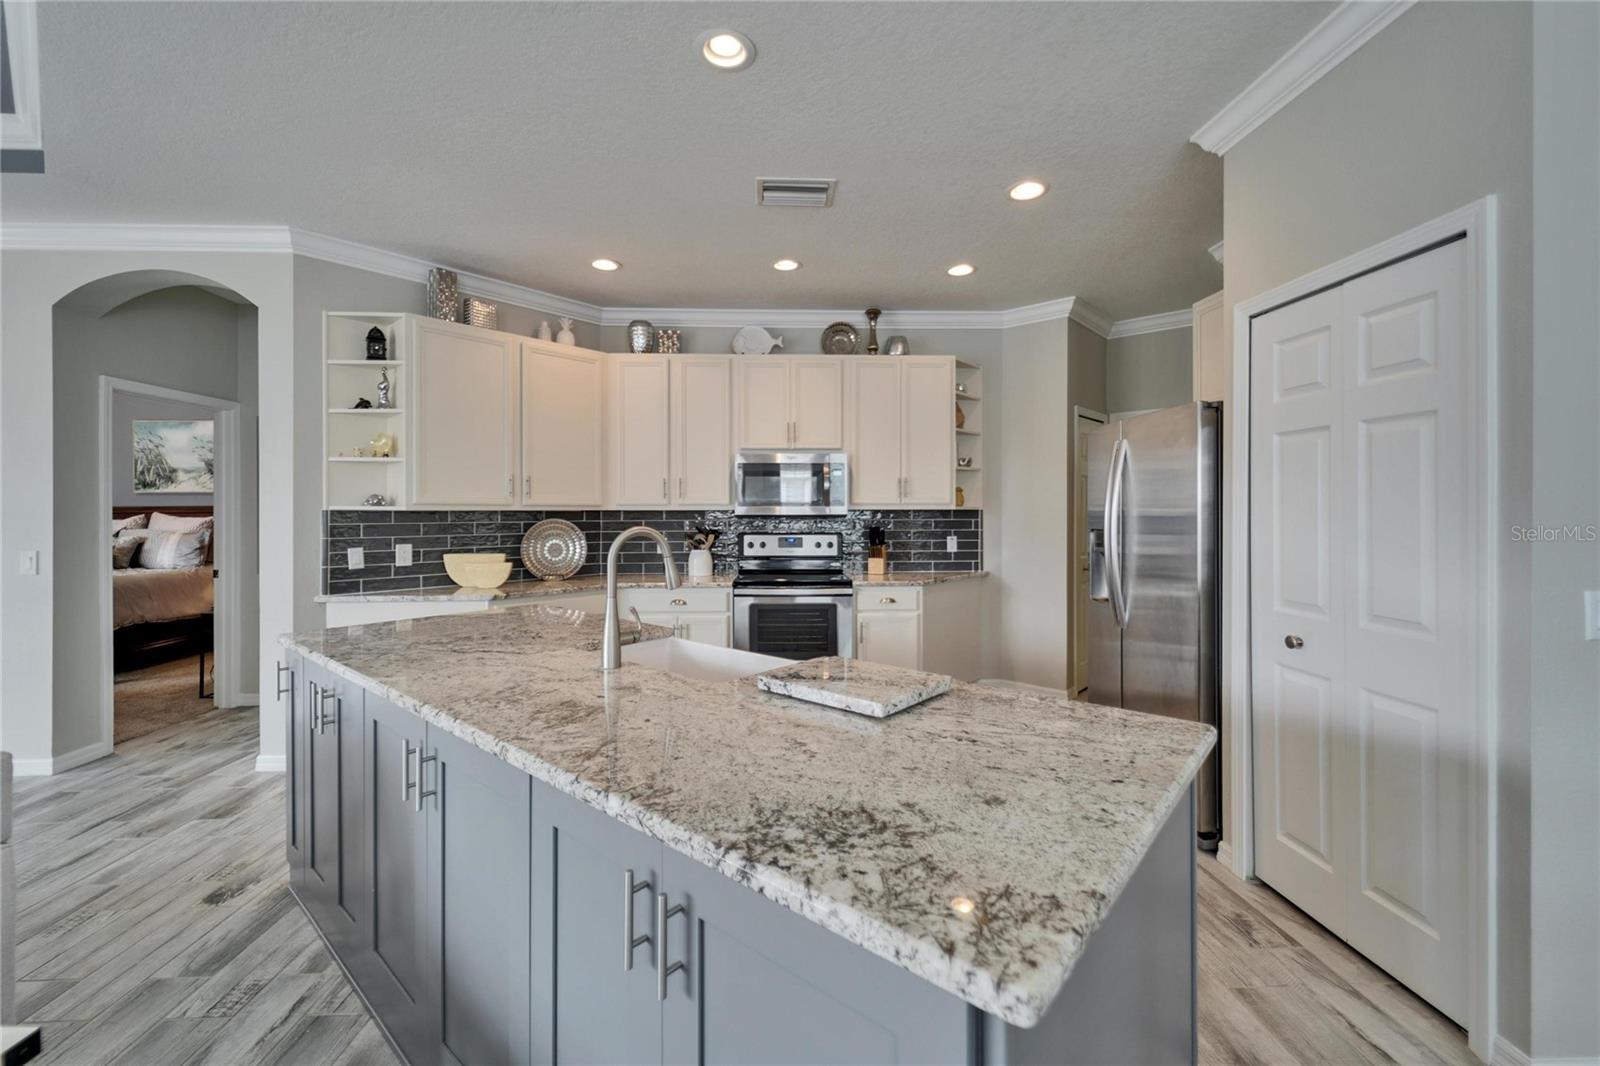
(157, 696)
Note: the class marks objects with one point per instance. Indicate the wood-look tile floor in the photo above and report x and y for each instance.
(155, 925)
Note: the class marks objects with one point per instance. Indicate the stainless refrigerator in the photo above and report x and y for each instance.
(1154, 528)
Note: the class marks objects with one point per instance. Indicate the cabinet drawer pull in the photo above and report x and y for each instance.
(681, 492)
(679, 601)
(422, 793)
(406, 783)
(284, 690)
(511, 486)
(887, 599)
(630, 888)
(663, 970)
(527, 485)
(324, 719)
(663, 488)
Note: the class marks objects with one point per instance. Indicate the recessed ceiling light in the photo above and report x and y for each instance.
(606, 264)
(727, 50)
(961, 270)
(786, 264)
(1027, 190)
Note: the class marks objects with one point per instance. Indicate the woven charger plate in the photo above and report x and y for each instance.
(554, 548)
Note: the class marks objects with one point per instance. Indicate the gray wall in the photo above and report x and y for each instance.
(180, 338)
(127, 408)
(1148, 371)
(1430, 115)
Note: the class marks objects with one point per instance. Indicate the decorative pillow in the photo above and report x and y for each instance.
(158, 520)
(170, 549)
(138, 521)
(125, 546)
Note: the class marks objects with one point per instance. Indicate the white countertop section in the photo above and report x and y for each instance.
(520, 590)
(1036, 809)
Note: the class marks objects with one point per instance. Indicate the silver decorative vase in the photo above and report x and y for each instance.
(641, 336)
(444, 295)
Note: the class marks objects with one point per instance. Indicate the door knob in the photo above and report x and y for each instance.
(1293, 643)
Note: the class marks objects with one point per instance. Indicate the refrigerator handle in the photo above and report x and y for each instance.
(1114, 481)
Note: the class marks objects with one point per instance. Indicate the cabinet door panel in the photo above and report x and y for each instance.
(702, 421)
(929, 447)
(763, 402)
(394, 972)
(479, 898)
(562, 399)
(818, 402)
(714, 629)
(875, 432)
(761, 984)
(464, 403)
(640, 423)
(890, 637)
(295, 774)
(588, 1008)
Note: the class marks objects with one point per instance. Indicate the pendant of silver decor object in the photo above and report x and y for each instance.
(872, 330)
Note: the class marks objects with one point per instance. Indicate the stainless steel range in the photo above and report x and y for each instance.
(791, 596)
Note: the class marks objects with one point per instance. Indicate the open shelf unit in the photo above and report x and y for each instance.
(349, 479)
(969, 436)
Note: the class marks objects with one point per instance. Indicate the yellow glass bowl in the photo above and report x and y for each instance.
(477, 570)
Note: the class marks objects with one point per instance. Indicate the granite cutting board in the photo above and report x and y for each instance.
(854, 685)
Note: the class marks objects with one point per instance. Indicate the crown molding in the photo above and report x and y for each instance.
(1070, 307)
(1216, 252)
(1132, 327)
(98, 237)
(789, 318)
(1350, 25)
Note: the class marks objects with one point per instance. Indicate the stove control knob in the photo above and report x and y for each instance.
(763, 544)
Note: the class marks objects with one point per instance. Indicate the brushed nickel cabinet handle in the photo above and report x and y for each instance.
(284, 690)
(406, 784)
(324, 719)
(630, 888)
(527, 484)
(888, 599)
(1293, 643)
(679, 601)
(422, 793)
(681, 492)
(663, 970)
(663, 488)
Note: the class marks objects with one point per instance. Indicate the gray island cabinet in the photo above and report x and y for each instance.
(493, 907)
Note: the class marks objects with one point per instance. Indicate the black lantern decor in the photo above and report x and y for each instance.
(377, 344)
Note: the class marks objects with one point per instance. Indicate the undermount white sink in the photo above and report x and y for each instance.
(698, 662)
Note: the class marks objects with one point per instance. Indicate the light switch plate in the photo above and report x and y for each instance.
(355, 558)
(951, 544)
(1591, 614)
(402, 555)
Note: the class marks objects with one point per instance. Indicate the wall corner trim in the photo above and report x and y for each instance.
(1350, 25)
(1216, 251)
(270, 764)
(1132, 327)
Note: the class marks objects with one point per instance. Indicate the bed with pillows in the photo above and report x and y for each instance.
(161, 582)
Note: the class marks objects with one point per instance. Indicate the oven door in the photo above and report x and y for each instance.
(795, 626)
(791, 483)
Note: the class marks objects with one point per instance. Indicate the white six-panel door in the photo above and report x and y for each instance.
(1362, 605)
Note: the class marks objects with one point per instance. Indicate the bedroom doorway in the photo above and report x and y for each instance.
(169, 486)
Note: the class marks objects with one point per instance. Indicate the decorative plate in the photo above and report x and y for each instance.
(554, 548)
(839, 339)
(753, 340)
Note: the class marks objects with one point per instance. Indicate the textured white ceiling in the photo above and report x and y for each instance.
(522, 141)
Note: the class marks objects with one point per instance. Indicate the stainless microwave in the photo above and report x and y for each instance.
(791, 483)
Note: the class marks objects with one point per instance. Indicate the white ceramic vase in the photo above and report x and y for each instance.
(700, 563)
(566, 336)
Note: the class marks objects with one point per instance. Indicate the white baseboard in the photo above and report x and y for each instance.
(60, 763)
(1506, 1053)
(270, 764)
(1225, 855)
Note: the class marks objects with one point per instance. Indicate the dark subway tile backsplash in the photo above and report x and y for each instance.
(916, 540)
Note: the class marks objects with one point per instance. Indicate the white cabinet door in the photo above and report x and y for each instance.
(762, 387)
(639, 432)
(702, 431)
(816, 389)
(464, 420)
(562, 399)
(1210, 354)
(716, 629)
(876, 409)
(893, 638)
(928, 446)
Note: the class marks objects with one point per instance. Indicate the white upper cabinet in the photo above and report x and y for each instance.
(928, 420)
(702, 431)
(464, 415)
(562, 402)
(790, 403)
(902, 431)
(640, 431)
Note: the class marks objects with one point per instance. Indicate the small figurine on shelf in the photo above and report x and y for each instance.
(544, 330)
(385, 387)
(382, 446)
(377, 499)
(961, 417)
(566, 336)
(361, 404)
(377, 344)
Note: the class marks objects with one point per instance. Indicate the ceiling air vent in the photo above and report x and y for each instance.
(794, 192)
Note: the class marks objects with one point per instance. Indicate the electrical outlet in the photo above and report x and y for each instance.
(951, 544)
(29, 563)
(355, 559)
(1591, 614)
(402, 555)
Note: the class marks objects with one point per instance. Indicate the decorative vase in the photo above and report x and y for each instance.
(961, 497)
(544, 330)
(668, 341)
(872, 330)
(444, 295)
(641, 336)
(385, 389)
(700, 563)
(377, 344)
(961, 417)
(566, 336)
(476, 312)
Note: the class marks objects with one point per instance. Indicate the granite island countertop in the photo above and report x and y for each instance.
(524, 590)
(1035, 808)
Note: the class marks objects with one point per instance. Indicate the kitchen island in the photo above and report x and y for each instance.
(519, 857)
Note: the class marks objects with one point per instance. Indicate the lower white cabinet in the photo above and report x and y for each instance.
(936, 627)
(702, 615)
(889, 626)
